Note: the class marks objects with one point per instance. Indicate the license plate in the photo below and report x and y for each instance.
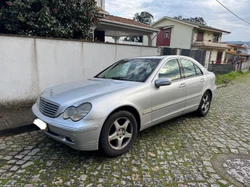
(42, 125)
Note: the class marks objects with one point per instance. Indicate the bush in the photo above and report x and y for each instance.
(51, 18)
(226, 78)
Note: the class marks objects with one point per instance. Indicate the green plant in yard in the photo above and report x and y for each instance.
(51, 18)
(226, 78)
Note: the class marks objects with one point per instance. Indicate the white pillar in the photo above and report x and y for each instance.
(116, 39)
(92, 31)
(178, 51)
(150, 43)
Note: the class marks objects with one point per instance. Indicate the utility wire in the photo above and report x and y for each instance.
(232, 12)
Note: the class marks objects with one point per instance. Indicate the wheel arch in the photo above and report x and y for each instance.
(130, 109)
(210, 92)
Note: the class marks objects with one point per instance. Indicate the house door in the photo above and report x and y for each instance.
(219, 56)
(163, 38)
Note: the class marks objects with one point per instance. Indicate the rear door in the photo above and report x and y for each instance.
(194, 81)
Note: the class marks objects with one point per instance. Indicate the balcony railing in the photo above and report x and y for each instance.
(210, 44)
(212, 41)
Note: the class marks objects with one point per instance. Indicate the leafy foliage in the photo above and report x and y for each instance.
(133, 38)
(143, 17)
(226, 78)
(197, 20)
(51, 18)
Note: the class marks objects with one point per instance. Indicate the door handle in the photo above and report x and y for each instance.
(182, 85)
(202, 80)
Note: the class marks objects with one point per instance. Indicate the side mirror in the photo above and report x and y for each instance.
(162, 82)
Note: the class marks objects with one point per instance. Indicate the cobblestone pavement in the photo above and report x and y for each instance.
(179, 152)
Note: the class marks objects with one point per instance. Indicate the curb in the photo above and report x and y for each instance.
(221, 86)
(18, 130)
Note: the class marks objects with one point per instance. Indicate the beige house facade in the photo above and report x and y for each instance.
(184, 35)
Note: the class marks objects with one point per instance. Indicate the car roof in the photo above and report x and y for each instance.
(166, 57)
(163, 57)
(150, 57)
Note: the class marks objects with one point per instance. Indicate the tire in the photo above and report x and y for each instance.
(118, 134)
(204, 104)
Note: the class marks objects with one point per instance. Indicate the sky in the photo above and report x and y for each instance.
(212, 12)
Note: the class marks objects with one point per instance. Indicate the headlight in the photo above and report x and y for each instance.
(77, 113)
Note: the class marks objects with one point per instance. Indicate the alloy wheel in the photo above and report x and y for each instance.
(120, 133)
(205, 103)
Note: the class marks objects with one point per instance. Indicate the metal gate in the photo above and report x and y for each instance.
(198, 55)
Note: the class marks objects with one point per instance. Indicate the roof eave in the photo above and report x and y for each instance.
(190, 24)
(214, 30)
(128, 25)
(175, 20)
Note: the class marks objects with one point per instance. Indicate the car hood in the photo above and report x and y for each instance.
(82, 91)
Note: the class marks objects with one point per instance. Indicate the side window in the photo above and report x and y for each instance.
(198, 70)
(188, 68)
(170, 70)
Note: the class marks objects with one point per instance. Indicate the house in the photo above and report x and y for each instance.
(185, 35)
(237, 52)
(117, 27)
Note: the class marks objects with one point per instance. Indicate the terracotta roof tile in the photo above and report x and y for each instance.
(101, 10)
(238, 45)
(126, 21)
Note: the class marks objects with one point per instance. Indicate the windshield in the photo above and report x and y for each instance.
(137, 70)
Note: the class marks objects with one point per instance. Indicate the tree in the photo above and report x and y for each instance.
(143, 17)
(51, 18)
(197, 20)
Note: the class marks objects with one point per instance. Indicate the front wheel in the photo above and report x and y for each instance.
(204, 104)
(118, 133)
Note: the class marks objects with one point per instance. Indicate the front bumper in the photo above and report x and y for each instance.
(81, 135)
(214, 90)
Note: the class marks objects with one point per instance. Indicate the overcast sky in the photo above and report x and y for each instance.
(213, 13)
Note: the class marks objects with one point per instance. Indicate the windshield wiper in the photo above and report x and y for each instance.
(117, 78)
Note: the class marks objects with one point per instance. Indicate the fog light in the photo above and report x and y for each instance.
(69, 140)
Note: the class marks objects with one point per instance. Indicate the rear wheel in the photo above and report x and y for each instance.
(118, 133)
(204, 104)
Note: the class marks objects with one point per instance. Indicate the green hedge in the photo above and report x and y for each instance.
(51, 18)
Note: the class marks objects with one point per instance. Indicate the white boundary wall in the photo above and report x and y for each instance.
(29, 65)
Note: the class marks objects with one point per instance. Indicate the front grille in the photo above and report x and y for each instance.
(48, 108)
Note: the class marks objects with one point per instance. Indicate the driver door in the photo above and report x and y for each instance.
(168, 101)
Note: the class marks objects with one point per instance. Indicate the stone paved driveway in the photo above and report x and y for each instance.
(179, 152)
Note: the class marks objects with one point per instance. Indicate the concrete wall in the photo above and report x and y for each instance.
(214, 56)
(246, 65)
(29, 65)
(181, 35)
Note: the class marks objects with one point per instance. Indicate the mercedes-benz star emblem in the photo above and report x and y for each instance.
(51, 92)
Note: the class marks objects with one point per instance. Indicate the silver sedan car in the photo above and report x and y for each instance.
(107, 112)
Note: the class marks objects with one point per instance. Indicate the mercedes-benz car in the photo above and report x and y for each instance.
(108, 111)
